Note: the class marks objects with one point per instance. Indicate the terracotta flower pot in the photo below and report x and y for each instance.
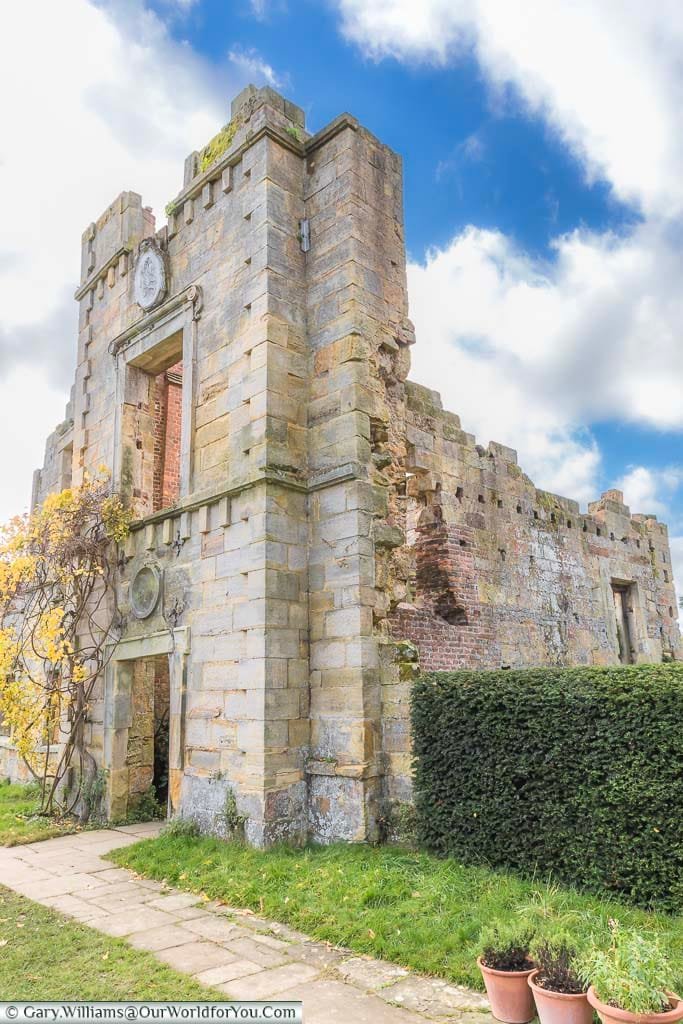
(509, 994)
(613, 1015)
(560, 1007)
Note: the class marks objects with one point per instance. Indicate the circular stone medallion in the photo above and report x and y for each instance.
(150, 277)
(145, 590)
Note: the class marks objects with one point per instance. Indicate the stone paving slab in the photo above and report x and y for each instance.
(232, 949)
(272, 983)
(333, 1002)
(161, 938)
(195, 957)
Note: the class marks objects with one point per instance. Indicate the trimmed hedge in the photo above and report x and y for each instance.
(576, 773)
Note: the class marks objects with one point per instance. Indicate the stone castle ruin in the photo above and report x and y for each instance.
(308, 521)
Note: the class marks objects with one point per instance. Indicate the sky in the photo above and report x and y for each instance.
(543, 158)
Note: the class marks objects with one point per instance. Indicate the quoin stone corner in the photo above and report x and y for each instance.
(310, 525)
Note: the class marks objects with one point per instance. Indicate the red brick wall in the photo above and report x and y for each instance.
(446, 620)
(168, 391)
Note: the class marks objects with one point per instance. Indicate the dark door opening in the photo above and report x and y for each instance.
(161, 716)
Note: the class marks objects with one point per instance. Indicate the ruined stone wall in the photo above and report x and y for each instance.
(56, 471)
(332, 524)
(506, 575)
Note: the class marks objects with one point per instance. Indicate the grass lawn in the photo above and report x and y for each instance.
(404, 906)
(18, 820)
(45, 956)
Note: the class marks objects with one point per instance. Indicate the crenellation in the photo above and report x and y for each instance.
(316, 524)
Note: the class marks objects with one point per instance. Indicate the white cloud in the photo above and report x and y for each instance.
(651, 490)
(252, 64)
(97, 99)
(263, 9)
(182, 6)
(30, 409)
(606, 76)
(526, 351)
(470, 150)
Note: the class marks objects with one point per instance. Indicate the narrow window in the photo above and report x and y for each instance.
(152, 428)
(623, 599)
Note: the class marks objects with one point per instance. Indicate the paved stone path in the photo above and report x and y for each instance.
(239, 953)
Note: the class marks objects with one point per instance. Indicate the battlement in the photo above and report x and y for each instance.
(301, 508)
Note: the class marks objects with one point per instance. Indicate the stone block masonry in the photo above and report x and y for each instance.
(310, 525)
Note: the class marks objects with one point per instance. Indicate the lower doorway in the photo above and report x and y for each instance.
(148, 736)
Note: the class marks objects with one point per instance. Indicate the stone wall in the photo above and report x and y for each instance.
(55, 473)
(505, 575)
(322, 522)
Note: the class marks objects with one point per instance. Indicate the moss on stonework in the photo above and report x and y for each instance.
(171, 208)
(547, 500)
(218, 145)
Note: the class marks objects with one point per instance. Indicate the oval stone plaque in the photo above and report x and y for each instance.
(150, 276)
(145, 590)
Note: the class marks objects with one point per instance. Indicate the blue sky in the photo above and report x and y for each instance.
(515, 174)
(470, 157)
(543, 199)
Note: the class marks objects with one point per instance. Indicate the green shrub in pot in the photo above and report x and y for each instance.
(630, 978)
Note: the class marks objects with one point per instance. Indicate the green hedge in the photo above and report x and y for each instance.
(577, 773)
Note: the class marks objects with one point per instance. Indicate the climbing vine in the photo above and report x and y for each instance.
(58, 622)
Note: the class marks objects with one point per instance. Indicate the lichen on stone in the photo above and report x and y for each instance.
(218, 145)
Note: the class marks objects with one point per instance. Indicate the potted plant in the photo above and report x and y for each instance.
(505, 965)
(558, 989)
(630, 981)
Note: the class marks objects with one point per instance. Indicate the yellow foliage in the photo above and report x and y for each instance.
(51, 564)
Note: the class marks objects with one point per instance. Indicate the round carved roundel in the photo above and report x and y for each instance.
(145, 590)
(150, 276)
